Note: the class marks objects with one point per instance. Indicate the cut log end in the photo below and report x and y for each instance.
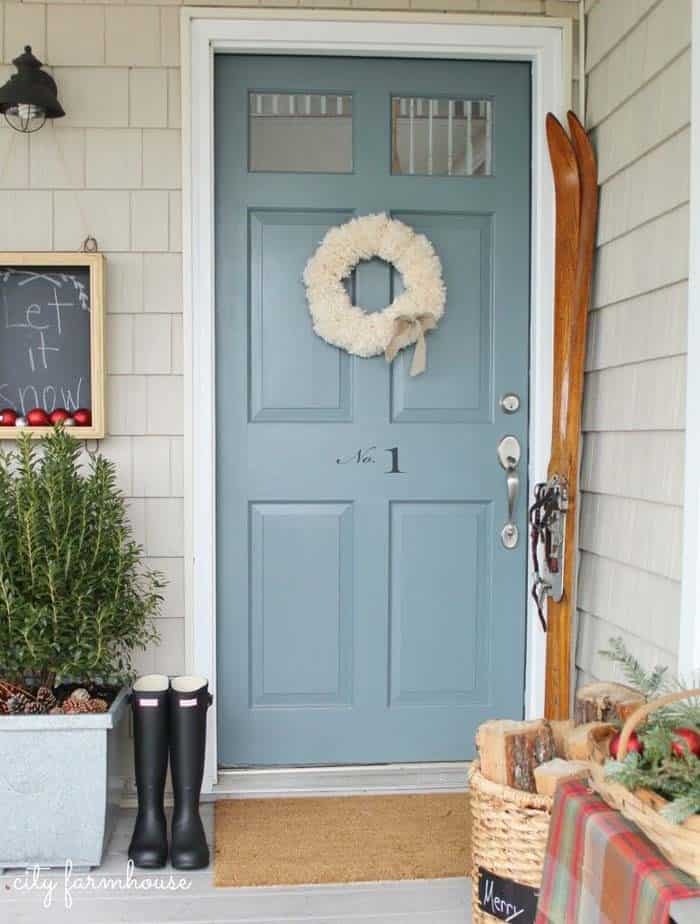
(586, 742)
(509, 751)
(605, 702)
(548, 776)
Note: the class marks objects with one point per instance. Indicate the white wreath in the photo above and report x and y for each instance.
(406, 320)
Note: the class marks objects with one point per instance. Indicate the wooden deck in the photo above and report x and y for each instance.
(443, 901)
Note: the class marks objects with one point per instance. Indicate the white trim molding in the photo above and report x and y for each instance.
(546, 43)
(689, 633)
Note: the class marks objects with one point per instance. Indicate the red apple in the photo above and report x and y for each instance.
(686, 741)
(82, 417)
(58, 416)
(7, 417)
(37, 418)
(633, 744)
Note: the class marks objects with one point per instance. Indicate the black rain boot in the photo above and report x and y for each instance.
(189, 701)
(149, 701)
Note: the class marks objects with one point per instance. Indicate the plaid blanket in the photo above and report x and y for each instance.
(600, 868)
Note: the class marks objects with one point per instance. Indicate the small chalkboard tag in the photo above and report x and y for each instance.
(505, 899)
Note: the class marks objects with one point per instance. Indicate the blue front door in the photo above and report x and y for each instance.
(368, 611)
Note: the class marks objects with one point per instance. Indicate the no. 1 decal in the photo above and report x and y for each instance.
(366, 456)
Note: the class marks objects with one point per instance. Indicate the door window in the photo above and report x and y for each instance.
(441, 137)
(300, 132)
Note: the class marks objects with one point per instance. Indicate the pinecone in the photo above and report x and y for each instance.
(17, 702)
(97, 705)
(8, 689)
(34, 708)
(3, 708)
(75, 707)
(46, 698)
(57, 710)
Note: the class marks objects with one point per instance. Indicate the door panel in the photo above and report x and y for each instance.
(367, 611)
(293, 547)
(293, 376)
(459, 387)
(434, 657)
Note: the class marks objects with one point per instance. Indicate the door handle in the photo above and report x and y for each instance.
(509, 457)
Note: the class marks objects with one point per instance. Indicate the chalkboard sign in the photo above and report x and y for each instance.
(51, 342)
(505, 899)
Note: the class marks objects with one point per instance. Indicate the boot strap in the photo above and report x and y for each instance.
(185, 703)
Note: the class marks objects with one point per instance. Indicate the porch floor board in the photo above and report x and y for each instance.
(435, 901)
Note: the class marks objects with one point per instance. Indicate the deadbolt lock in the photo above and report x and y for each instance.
(510, 403)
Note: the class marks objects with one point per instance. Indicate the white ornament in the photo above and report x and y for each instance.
(406, 320)
(21, 422)
(69, 422)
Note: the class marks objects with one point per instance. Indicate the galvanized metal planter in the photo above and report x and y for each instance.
(60, 786)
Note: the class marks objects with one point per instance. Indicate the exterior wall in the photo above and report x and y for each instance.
(112, 168)
(638, 79)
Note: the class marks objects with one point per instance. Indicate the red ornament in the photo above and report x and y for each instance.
(38, 418)
(633, 744)
(82, 417)
(688, 743)
(58, 416)
(7, 417)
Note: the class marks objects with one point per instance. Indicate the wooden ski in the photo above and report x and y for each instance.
(576, 193)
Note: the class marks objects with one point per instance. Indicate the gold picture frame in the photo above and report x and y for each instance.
(96, 265)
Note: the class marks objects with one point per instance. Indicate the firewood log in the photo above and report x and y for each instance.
(560, 729)
(509, 751)
(582, 742)
(605, 702)
(548, 776)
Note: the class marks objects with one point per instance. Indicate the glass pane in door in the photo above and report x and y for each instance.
(441, 137)
(300, 132)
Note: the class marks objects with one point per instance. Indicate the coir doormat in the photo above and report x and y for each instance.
(341, 839)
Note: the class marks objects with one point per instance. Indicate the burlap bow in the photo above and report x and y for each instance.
(406, 331)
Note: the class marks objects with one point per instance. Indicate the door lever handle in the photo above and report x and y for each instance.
(509, 457)
(513, 486)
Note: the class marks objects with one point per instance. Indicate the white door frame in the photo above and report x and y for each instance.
(544, 42)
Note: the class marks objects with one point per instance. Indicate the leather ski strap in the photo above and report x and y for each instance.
(539, 593)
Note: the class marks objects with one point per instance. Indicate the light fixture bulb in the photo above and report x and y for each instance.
(25, 117)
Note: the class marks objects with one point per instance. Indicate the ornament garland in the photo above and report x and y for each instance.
(406, 320)
(38, 417)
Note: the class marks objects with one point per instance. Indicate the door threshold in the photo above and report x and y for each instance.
(445, 776)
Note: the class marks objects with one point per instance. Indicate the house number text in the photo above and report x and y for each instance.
(367, 456)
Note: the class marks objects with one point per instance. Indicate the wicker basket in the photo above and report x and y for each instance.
(509, 834)
(680, 844)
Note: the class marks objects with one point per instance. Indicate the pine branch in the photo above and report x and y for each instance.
(648, 683)
(682, 808)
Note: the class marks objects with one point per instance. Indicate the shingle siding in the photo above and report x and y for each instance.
(638, 107)
(117, 67)
(115, 159)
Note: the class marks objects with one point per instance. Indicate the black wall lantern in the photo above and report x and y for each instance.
(29, 97)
